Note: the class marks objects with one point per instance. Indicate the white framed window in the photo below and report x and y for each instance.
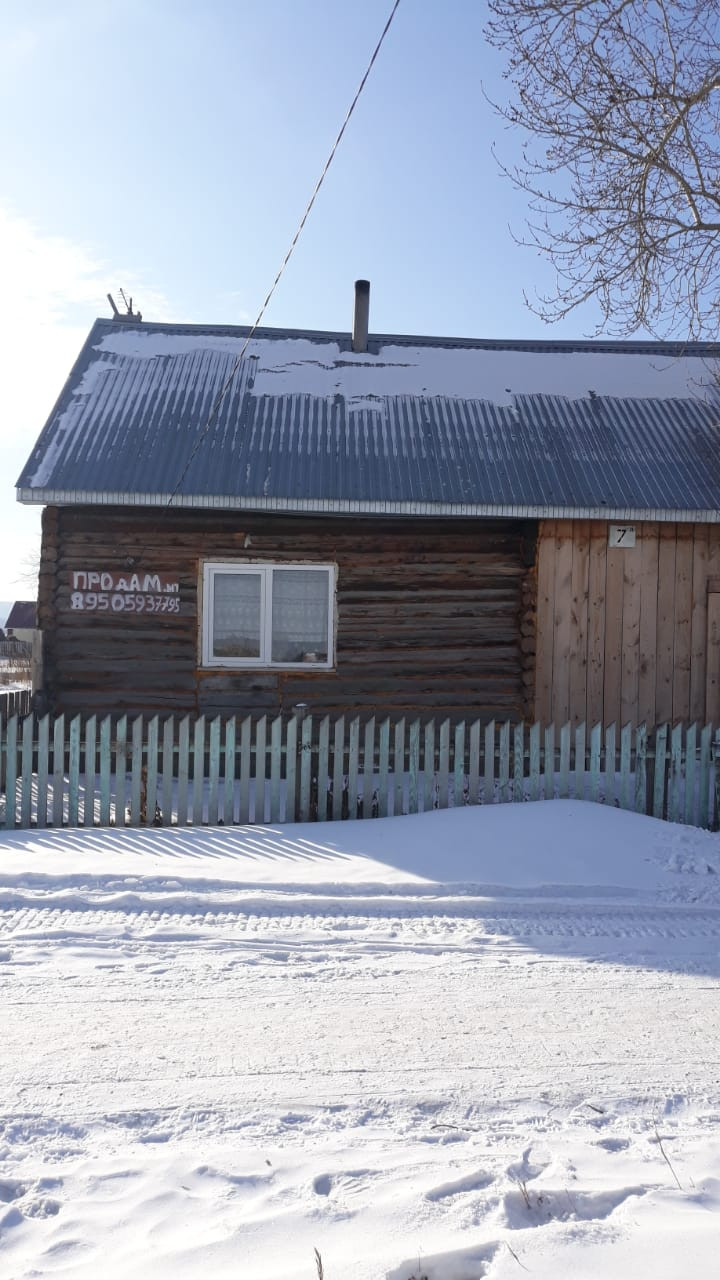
(268, 615)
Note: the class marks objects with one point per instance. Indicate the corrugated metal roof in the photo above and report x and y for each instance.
(418, 425)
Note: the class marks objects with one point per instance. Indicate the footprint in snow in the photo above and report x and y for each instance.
(613, 1144)
(348, 1184)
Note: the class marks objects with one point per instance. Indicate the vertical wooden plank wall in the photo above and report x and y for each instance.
(627, 634)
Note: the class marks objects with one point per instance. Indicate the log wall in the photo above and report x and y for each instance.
(628, 634)
(434, 617)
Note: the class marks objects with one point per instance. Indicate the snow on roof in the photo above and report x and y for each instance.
(325, 366)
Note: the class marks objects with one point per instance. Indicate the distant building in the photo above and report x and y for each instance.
(22, 621)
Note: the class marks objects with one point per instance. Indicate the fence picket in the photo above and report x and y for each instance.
(429, 794)
(626, 797)
(214, 771)
(519, 762)
(704, 783)
(353, 767)
(580, 746)
(88, 814)
(105, 769)
(228, 804)
(625, 766)
(383, 768)
(290, 768)
(595, 758)
(399, 767)
(275, 767)
(715, 773)
(198, 772)
(489, 764)
(183, 771)
(150, 777)
(26, 773)
(323, 769)
(413, 766)
(338, 768)
(305, 768)
(661, 734)
(549, 762)
(11, 772)
(504, 762)
(168, 762)
(534, 762)
(641, 769)
(690, 771)
(120, 770)
(610, 749)
(675, 807)
(369, 798)
(459, 765)
(74, 772)
(259, 773)
(136, 773)
(564, 761)
(474, 764)
(58, 783)
(42, 778)
(245, 770)
(444, 764)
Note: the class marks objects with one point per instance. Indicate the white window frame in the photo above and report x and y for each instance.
(265, 570)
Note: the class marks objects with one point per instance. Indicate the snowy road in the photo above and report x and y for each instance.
(385, 1070)
(498, 998)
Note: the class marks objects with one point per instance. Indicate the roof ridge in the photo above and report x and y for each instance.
(616, 346)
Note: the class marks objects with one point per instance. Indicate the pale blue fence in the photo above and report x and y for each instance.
(175, 772)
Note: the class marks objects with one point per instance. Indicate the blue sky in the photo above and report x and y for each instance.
(170, 147)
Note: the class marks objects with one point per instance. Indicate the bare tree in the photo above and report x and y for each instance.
(618, 102)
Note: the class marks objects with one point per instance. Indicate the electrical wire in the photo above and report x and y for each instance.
(231, 376)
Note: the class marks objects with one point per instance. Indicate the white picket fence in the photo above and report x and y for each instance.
(175, 772)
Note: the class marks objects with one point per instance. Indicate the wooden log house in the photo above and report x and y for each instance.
(419, 526)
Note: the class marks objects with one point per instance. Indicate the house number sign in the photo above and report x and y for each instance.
(622, 535)
(100, 592)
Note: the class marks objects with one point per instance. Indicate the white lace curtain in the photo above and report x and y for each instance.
(299, 615)
(236, 615)
(298, 601)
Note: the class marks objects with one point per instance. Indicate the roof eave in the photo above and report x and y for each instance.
(361, 507)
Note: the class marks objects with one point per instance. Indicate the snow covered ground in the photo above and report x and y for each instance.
(478, 1042)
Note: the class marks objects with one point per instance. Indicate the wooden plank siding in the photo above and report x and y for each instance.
(642, 630)
(434, 617)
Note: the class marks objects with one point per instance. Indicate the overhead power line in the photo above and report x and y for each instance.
(229, 380)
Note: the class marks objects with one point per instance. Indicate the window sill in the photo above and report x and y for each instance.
(249, 667)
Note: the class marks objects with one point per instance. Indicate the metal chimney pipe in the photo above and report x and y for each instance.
(361, 317)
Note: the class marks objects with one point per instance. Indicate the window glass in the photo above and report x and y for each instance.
(236, 615)
(299, 615)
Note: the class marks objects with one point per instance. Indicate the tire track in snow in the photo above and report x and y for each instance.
(475, 922)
